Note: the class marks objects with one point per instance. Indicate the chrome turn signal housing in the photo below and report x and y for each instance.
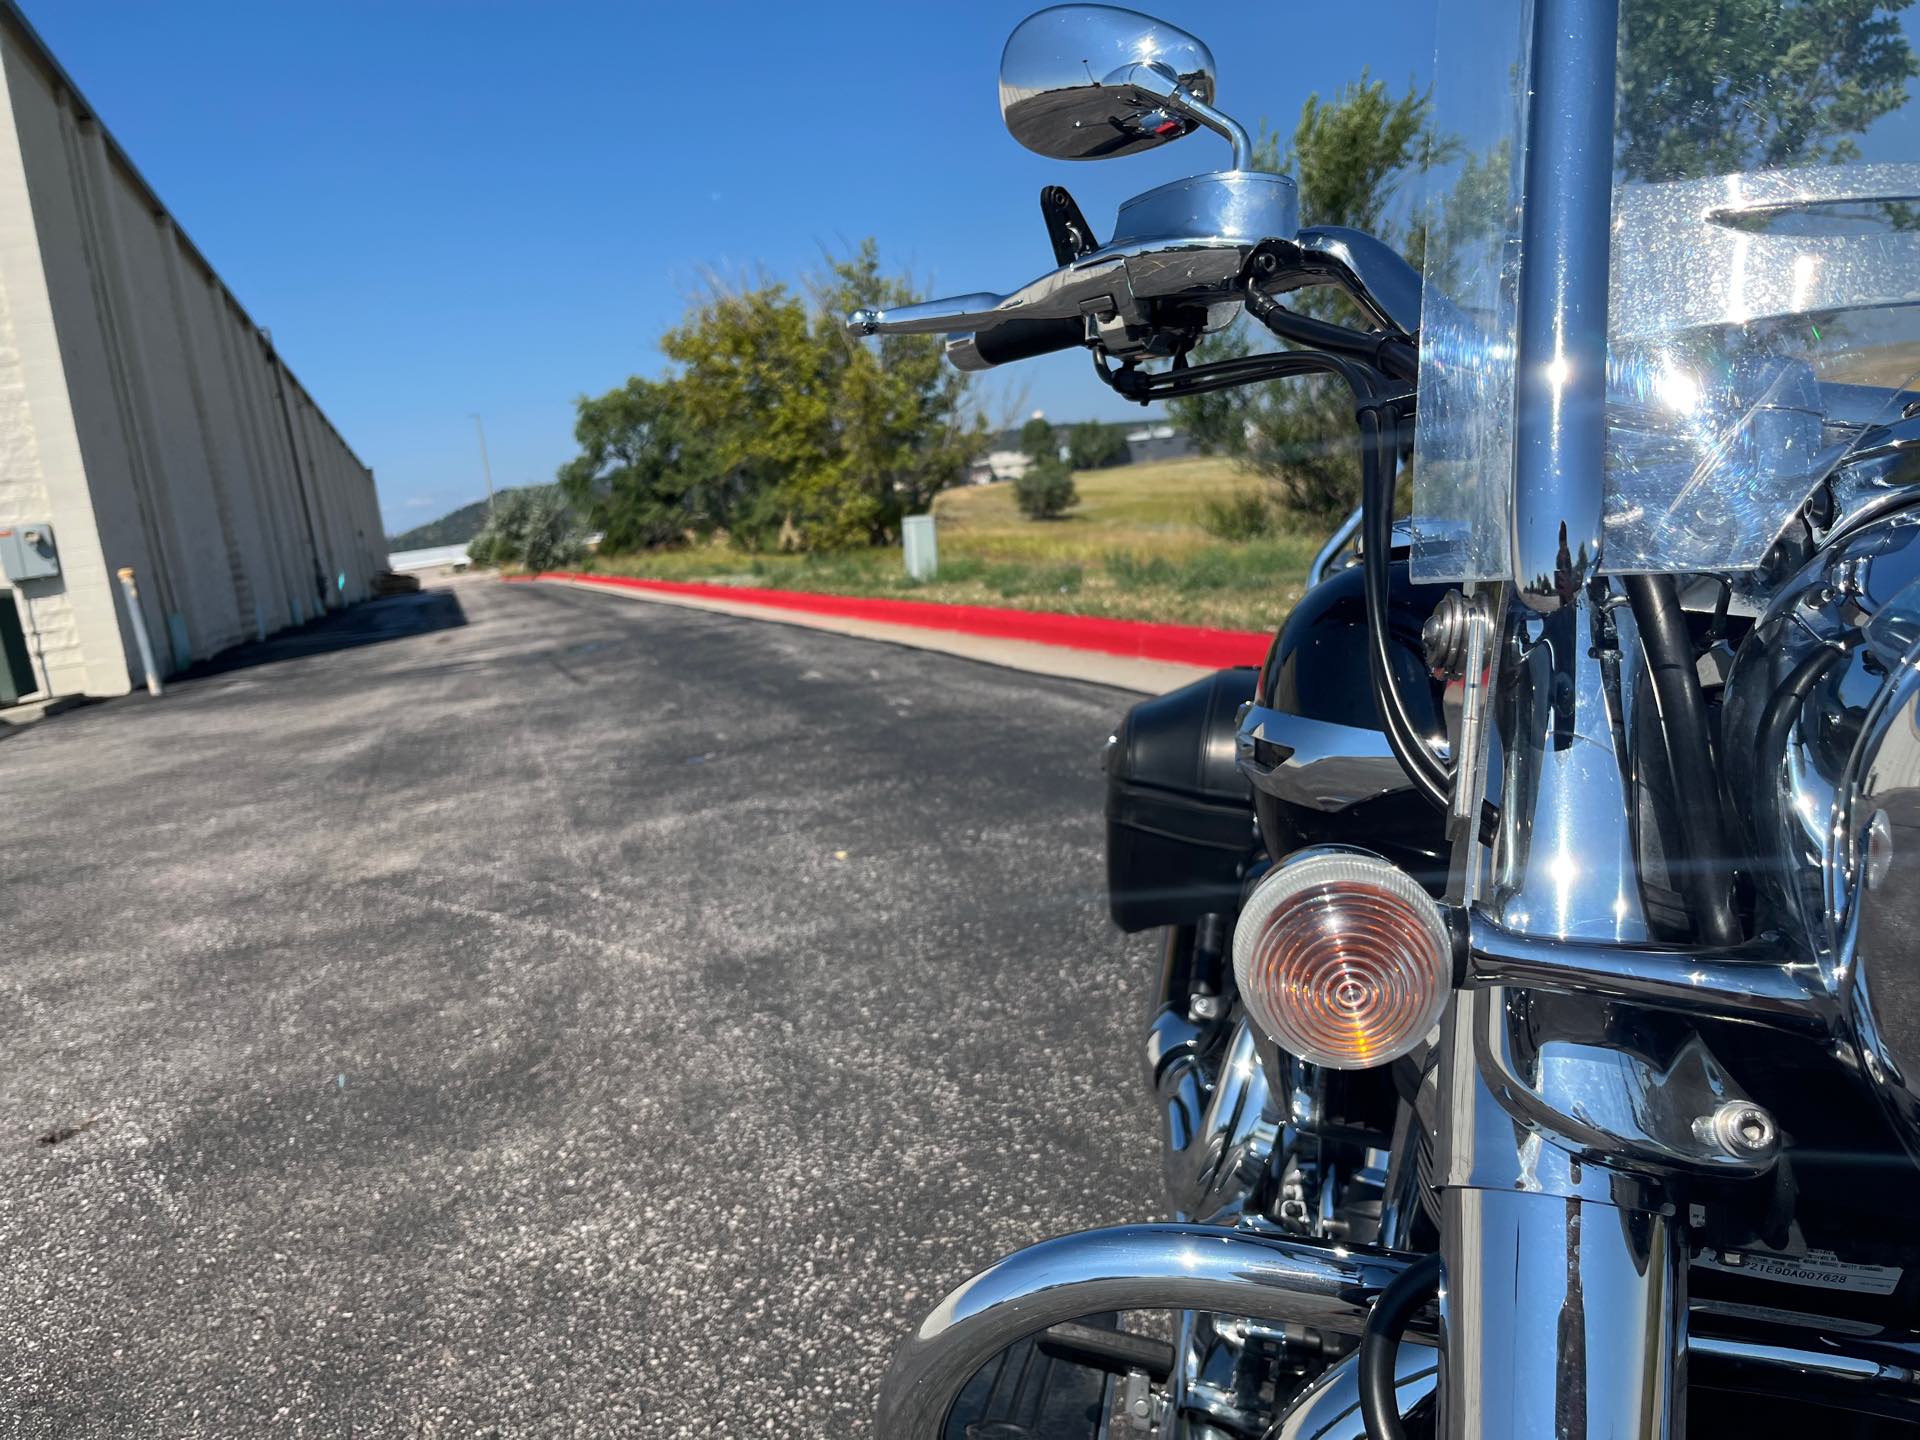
(1342, 958)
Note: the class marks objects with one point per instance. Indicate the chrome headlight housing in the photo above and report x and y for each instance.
(1821, 747)
(1872, 868)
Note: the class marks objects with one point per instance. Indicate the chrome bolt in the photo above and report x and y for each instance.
(1740, 1128)
(1207, 1007)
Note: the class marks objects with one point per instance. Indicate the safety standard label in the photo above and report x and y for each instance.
(1820, 1268)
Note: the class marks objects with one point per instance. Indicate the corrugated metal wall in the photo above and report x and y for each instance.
(203, 464)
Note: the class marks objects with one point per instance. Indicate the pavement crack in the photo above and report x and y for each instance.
(501, 919)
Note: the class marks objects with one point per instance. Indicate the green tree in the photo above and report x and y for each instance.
(902, 424)
(1710, 87)
(1094, 445)
(753, 383)
(1348, 155)
(775, 425)
(643, 477)
(1044, 490)
(1037, 440)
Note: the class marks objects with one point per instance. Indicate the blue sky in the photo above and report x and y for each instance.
(441, 208)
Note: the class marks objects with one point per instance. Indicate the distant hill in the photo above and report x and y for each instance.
(455, 529)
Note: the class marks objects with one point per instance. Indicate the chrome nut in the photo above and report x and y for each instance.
(1444, 636)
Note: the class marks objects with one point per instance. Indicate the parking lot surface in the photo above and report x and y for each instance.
(516, 1010)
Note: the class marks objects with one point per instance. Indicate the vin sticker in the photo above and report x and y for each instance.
(1820, 1268)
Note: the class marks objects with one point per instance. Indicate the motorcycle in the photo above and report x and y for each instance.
(1537, 1039)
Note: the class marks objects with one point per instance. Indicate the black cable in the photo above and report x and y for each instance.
(1379, 460)
(1390, 354)
(1429, 775)
(1704, 875)
(1717, 629)
(1144, 386)
(1393, 1310)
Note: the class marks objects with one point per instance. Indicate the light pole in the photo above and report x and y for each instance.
(485, 466)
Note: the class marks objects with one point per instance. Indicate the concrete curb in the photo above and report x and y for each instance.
(1138, 639)
(998, 641)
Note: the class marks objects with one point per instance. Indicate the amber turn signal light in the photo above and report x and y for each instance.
(1343, 959)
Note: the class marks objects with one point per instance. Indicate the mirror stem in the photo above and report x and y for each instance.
(1164, 86)
(1221, 124)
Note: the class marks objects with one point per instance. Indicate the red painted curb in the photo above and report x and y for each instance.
(1142, 639)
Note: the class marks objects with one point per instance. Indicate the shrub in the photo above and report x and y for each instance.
(1045, 491)
(533, 528)
(1243, 515)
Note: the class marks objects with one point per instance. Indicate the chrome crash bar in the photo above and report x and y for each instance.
(1315, 1283)
(1132, 1267)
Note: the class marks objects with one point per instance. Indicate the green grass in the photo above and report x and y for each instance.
(1133, 548)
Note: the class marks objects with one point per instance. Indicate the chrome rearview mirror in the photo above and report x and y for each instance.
(1085, 82)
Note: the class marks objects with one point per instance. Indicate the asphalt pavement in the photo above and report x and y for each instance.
(516, 1010)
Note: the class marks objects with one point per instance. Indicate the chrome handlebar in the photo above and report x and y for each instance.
(1187, 244)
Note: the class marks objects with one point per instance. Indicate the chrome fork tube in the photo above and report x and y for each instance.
(1564, 1299)
(1563, 1308)
(1568, 868)
(1560, 1316)
(1560, 358)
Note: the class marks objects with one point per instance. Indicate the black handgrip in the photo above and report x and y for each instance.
(1012, 340)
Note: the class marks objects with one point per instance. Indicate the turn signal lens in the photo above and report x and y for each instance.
(1343, 959)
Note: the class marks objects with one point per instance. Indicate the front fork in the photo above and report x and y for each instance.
(1563, 1305)
(1559, 1317)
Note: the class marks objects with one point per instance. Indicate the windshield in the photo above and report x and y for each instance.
(1764, 294)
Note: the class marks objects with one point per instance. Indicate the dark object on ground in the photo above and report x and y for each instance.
(388, 583)
(67, 1132)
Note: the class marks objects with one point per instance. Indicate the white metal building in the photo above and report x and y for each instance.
(145, 420)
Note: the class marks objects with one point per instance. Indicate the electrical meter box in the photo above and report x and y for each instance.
(27, 551)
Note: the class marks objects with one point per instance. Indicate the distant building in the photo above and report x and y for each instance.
(1158, 441)
(1003, 460)
(146, 421)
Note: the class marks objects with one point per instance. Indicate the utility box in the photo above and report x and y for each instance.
(27, 552)
(923, 555)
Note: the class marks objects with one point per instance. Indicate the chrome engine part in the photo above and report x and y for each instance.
(1220, 1128)
(1282, 1281)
